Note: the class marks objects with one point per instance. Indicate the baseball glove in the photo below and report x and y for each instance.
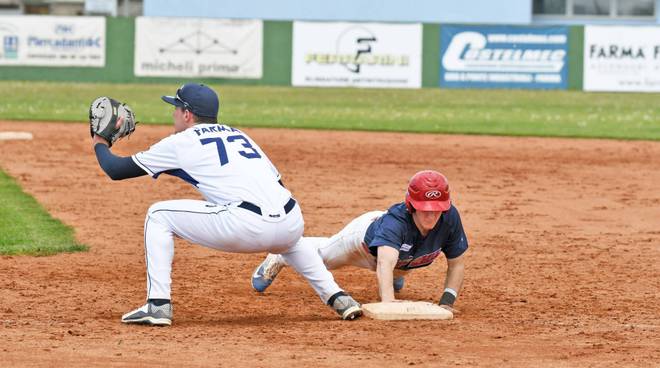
(103, 115)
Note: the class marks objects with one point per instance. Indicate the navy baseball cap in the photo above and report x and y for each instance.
(200, 99)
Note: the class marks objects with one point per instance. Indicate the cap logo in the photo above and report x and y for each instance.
(433, 194)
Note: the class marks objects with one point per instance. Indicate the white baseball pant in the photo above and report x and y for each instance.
(231, 229)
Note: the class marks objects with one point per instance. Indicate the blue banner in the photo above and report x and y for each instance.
(504, 57)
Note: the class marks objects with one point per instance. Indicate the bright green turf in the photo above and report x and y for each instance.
(498, 112)
(26, 228)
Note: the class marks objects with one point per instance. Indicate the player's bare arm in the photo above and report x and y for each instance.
(454, 281)
(387, 258)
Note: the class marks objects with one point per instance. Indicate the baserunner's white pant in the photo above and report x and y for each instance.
(346, 248)
(231, 229)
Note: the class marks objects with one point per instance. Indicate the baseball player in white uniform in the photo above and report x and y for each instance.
(246, 208)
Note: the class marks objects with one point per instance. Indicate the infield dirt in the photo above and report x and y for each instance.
(563, 268)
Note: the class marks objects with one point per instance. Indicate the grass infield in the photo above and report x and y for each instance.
(26, 227)
(492, 112)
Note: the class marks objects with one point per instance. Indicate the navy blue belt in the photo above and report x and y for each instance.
(254, 208)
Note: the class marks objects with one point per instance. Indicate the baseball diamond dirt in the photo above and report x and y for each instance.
(563, 268)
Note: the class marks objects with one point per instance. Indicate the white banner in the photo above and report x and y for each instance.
(357, 55)
(622, 59)
(196, 47)
(52, 41)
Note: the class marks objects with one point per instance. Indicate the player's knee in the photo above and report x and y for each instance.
(156, 211)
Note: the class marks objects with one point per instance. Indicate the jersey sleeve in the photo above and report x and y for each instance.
(457, 242)
(117, 168)
(390, 232)
(160, 157)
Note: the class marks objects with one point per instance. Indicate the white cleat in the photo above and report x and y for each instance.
(150, 314)
(264, 275)
(345, 306)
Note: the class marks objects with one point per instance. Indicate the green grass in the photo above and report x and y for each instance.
(495, 112)
(26, 228)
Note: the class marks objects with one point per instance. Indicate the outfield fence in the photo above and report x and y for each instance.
(329, 54)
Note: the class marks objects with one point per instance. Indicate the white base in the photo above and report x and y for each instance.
(6, 136)
(406, 310)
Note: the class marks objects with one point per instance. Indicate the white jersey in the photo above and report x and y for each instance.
(222, 162)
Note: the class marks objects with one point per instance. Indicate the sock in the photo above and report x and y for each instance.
(159, 302)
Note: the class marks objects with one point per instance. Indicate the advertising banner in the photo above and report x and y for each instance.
(52, 41)
(198, 47)
(504, 57)
(341, 54)
(620, 58)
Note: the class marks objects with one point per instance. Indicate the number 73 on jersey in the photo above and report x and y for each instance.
(249, 151)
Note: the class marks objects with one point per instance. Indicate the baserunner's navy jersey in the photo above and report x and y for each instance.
(397, 229)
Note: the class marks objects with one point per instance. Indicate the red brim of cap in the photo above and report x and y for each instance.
(437, 206)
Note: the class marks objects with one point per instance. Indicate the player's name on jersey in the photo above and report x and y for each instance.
(215, 129)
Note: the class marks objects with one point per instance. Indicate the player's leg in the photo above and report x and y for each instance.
(192, 220)
(189, 219)
(308, 263)
(159, 252)
(346, 248)
(231, 229)
(342, 249)
(264, 275)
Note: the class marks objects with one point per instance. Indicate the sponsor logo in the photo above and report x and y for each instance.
(63, 29)
(620, 52)
(10, 42)
(356, 48)
(64, 39)
(433, 194)
(474, 51)
(47, 42)
(10, 47)
(64, 43)
(198, 42)
(196, 51)
(405, 247)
